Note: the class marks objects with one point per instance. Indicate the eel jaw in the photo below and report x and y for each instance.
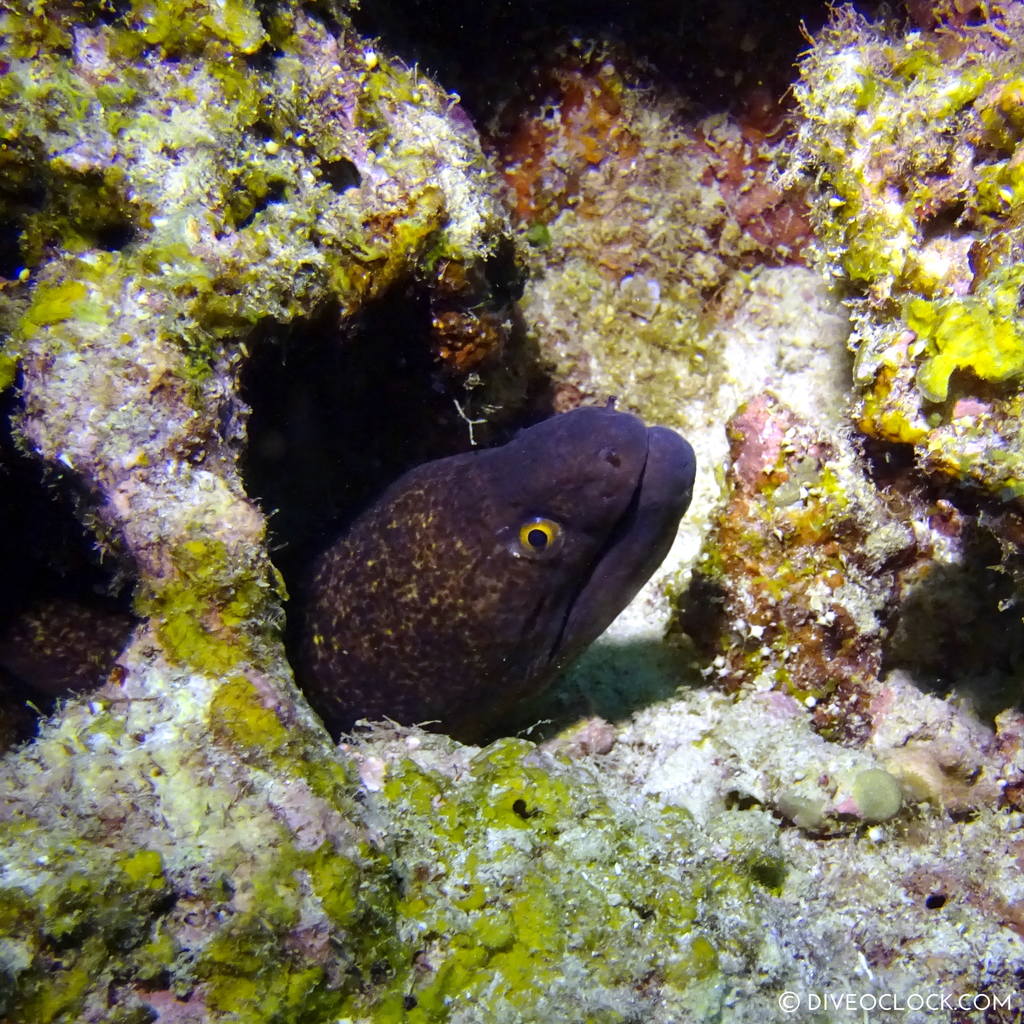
(635, 547)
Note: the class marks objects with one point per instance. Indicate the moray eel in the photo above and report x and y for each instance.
(476, 578)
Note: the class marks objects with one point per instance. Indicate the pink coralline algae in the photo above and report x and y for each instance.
(798, 573)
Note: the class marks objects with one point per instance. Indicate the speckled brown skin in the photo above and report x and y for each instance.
(433, 607)
(53, 649)
(60, 646)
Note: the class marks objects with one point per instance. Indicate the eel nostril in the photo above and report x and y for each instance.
(611, 456)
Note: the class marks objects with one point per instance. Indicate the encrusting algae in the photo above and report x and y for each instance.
(798, 574)
(636, 211)
(913, 140)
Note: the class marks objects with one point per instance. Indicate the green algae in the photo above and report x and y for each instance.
(877, 794)
(205, 616)
(53, 305)
(240, 717)
(93, 912)
(913, 139)
(505, 939)
(192, 25)
(128, 916)
(980, 333)
(500, 882)
(237, 715)
(125, 149)
(248, 972)
(520, 874)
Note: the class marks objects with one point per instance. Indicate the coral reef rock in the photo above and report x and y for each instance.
(913, 137)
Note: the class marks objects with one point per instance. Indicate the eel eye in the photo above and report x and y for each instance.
(536, 537)
(539, 534)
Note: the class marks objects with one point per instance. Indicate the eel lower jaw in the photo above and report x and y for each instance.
(636, 546)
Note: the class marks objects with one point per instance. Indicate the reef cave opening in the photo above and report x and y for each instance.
(338, 412)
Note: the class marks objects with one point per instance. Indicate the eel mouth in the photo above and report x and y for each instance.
(636, 545)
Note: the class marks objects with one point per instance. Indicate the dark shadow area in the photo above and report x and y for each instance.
(22, 196)
(700, 619)
(612, 680)
(338, 414)
(890, 465)
(960, 631)
(64, 611)
(10, 249)
(714, 54)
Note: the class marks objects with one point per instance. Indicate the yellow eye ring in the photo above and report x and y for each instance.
(539, 537)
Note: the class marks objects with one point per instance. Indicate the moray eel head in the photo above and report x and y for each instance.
(475, 579)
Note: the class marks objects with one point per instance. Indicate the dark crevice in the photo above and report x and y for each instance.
(20, 199)
(108, 12)
(264, 59)
(10, 249)
(337, 415)
(114, 236)
(945, 223)
(64, 610)
(340, 174)
(484, 52)
(275, 193)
